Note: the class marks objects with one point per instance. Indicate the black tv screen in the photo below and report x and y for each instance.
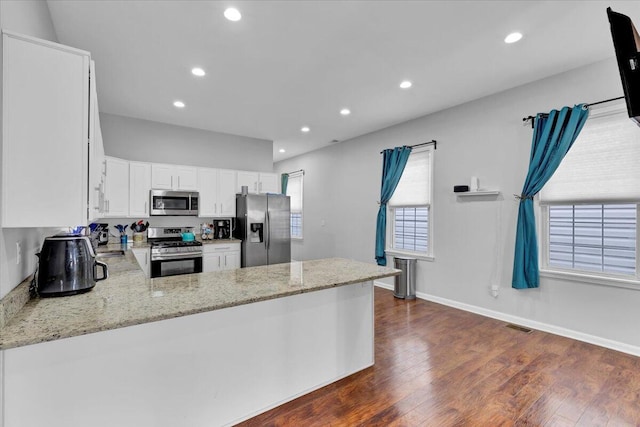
(626, 42)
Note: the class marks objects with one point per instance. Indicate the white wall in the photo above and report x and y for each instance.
(32, 18)
(473, 239)
(143, 140)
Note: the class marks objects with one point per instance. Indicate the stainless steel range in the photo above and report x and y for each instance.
(170, 254)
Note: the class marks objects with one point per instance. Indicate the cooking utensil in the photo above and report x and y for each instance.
(188, 237)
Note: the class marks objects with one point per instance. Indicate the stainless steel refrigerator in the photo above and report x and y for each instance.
(264, 225)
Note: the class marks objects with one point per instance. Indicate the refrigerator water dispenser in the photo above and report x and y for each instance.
(256, 235)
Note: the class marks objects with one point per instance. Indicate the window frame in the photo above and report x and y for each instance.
(296, 175)
(390, 232)
(584, 276)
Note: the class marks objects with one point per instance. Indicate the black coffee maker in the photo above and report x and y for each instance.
(222, 228)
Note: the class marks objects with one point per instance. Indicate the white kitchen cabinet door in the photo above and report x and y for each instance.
(208, 180)
(249, 179)
(96, 154)
(211, 262)
(227, 193)
(162, 176)
(231, 260)
(221, 256)
(268, 183)
(258, 183)
(174, 177)
(217, 192)
(143, 255)
(186, 178)
(45, 116)
(139, 188)
(117, 188)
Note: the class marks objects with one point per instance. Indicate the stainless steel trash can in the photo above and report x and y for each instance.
(405, 283)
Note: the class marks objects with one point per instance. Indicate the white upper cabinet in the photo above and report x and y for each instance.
(139, 187)
(174, 177)
(257, 182)
(227, 192)
(97, 163)
(217, 192)
(117, 188)
(269, 183)
(45, 144)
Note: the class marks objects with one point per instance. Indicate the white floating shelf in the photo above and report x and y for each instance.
(478, 193)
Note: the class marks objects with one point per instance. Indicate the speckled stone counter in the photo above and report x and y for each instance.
(128, 298)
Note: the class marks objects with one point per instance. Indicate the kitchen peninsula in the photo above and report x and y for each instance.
(199, 349)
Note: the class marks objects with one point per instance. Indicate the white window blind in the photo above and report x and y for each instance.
(414, 188)
(602, 165)
(599, 238)
(295, 192)
(411, 229)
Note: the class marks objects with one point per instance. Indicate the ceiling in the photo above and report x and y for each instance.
(289, 64)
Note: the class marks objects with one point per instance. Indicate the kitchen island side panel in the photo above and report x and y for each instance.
(208, 369)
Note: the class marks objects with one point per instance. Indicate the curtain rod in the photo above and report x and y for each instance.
(289, 173)
(530, 118)
(433, 141)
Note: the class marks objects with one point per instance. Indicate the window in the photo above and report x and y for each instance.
(294, 190)
(590, 205)
(410, 206)
(600, 238)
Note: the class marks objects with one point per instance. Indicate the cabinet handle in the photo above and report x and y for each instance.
(178, 182)
(145, 258)
(255, 186)
(260, 184)
(107, 206)
(218, 261)
(145, 207)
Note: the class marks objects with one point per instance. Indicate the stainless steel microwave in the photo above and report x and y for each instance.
(167, 202)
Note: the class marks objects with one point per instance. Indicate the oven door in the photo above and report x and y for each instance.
(172, 264)
(173, 203)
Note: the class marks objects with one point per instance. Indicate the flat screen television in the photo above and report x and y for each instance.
(626, 42)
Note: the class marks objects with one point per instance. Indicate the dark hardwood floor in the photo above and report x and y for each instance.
(438, 366)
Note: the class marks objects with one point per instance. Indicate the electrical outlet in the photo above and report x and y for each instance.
(494, 290)
(18, 253)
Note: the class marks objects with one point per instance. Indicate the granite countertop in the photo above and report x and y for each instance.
(129, 298)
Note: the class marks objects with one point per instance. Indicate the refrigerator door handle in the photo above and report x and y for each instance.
(268, 232)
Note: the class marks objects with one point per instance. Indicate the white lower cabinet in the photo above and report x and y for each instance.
(221, 256)
(143, 256)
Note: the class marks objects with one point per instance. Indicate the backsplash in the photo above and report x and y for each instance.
(155, 221)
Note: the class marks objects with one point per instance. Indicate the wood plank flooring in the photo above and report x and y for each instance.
(438, 366)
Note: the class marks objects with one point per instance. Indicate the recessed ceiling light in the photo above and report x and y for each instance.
(232, 14)
(282, 150)
(178, 104)
(305, 129)
(405, 84)
(513, 37)
(345, 111)
(198, 72)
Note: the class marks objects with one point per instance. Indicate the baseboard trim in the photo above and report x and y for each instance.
(545, 327)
